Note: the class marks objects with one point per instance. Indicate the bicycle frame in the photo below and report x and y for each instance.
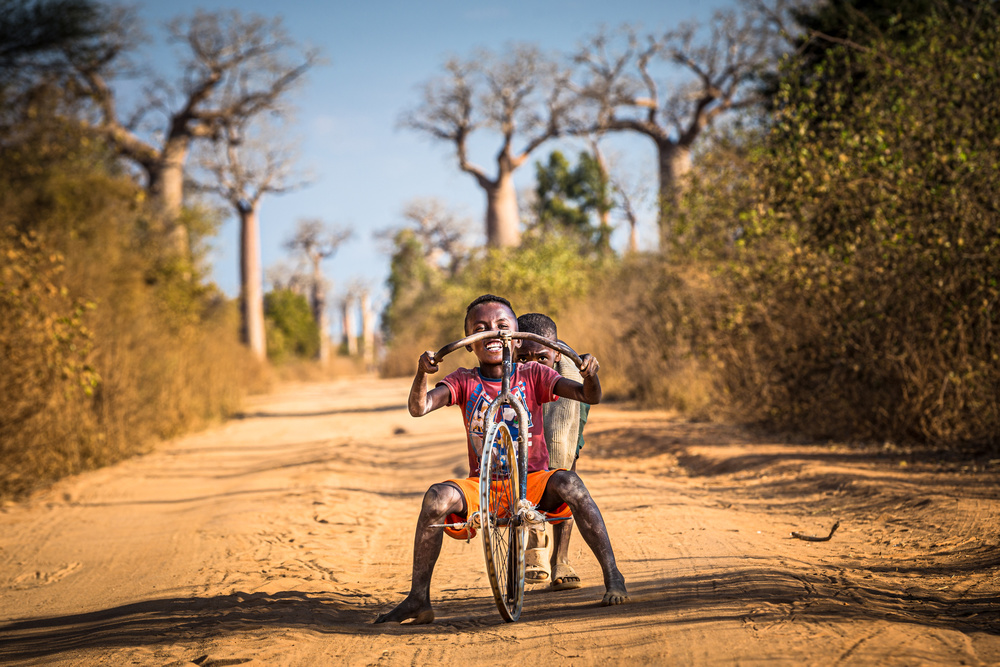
(525, 511)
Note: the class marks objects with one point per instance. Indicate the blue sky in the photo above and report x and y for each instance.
(365, 168)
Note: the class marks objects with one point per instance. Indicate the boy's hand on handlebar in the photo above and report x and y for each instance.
(427, 364)
(590, 365)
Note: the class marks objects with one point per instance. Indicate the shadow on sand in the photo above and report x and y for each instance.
(774, 596)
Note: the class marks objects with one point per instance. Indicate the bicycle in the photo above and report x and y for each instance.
(505, 514)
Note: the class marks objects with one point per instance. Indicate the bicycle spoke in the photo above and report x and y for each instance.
(498, 498)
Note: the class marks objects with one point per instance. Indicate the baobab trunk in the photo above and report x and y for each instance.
(320, 314)
(368, 331)
(503, 223)
(251, 283)
(675, 165)
(633, 233)
(350, 336)
(166, 184)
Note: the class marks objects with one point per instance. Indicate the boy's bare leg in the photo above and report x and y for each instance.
(567, 487)
(439, 501)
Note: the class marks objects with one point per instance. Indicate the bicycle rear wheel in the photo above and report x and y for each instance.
(503, 540)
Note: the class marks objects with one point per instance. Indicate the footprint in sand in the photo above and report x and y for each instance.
(45, 577)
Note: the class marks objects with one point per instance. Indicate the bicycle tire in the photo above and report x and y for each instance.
(503, 538)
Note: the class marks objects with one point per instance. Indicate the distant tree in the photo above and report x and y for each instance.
(316, 241)
(237, 69)
(284, 275)
(36, 37)
(625, 91)
(242, 168)
(627, 195)
(574, 200)
(291, 330)
(348, 312)
(427, 252)
(440, 232)
(367, 328)
(521, 95)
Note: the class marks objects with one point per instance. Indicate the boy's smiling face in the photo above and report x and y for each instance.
(490, 316)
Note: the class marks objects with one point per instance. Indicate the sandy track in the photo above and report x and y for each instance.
(276, 538)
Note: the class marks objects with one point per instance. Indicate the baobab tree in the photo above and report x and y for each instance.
(622, 80)
(348, 311)
(316, 241)
(521, 96)
(241, 169)
(236, 69)
(441, 234)
(367, 328)
(625, 197)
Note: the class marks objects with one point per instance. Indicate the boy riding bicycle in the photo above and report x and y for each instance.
(553, 491)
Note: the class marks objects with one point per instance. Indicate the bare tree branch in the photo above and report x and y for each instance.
(235, 68)
(622, 82)
(520, 95)
(247, 163)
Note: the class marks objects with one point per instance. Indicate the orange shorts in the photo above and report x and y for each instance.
(470, 489)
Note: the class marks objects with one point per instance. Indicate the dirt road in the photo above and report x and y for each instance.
(276, 538)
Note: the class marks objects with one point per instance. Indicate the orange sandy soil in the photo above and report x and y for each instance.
(275, 539)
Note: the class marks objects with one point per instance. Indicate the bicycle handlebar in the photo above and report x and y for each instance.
(562, 348)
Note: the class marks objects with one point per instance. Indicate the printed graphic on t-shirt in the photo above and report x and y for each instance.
(532, 383)
(479, 403)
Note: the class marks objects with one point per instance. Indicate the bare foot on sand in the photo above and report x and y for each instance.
(418, 612)
(616, 593)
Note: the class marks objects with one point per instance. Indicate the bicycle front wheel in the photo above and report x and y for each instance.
(503, 540)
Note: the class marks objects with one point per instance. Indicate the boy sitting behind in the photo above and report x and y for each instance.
(551, 490)
(564, 422)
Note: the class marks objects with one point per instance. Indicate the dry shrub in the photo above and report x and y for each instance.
(646, 324)
(401, 356)
(852, 352)
(872, 305)
(105, 348)
(310, 370)
(44, 346)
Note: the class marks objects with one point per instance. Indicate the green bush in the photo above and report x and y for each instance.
(427, 307)
(290, 326)
(871, 307)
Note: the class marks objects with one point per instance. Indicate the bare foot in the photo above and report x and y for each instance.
(418, 612)
(616, 592)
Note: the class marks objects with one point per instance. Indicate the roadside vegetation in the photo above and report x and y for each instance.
(829, 269)
(105, 347)
(827, 198)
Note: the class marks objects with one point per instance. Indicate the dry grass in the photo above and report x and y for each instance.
(109, 350)
(307, 370)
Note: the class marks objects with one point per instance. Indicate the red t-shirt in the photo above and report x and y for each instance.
(532, 383)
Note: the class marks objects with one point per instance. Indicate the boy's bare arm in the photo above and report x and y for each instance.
(589, 391)
(422, 401)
